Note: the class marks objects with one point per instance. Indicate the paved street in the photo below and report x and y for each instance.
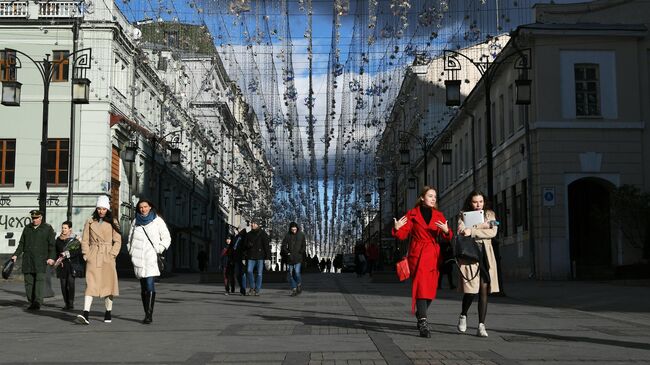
(339, 319)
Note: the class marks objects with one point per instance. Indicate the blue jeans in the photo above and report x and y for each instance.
(293, 275)
(147, 284)
(252, 264)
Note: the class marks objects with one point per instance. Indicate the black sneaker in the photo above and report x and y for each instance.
(256, 293)
(107, 317)
(82, 318)
(34, 306)
(299, 288)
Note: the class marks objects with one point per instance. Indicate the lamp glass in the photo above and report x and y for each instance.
(404, 156)
(129, 153)
(446, 156)
(175, 156)
(80, 91)
(453, 92)
(11, 93)
(523, 91)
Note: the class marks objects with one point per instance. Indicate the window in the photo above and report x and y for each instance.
(60, 65)
(511, 110)
(503, 213)
(524, 204)
(7, 65)
(502, 119)
(493, 125)
(516, 208)
(171, 37)
(7, 162)
(57, 161)
(587, 89)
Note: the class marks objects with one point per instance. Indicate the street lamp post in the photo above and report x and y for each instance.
(426, 144)
(488, 70)
(11, 91)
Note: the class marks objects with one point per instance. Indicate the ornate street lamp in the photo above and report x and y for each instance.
(175, 156)
(130, 152)
(11, 91)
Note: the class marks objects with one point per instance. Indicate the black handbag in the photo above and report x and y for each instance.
(160, 258)
(466, 249)
(7, 268)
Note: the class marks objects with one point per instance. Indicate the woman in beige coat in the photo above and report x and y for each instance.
(486, 281)
(100, 244)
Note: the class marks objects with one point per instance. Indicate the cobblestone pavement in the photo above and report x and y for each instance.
(338, 319)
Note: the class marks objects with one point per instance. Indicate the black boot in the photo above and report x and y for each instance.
(423, 327)
(146, 298)
(152, 301)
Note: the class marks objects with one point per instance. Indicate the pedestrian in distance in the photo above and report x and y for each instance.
(259, 249)
(228, 264)
(360, 261)
(202, 258)
(292, 250)
(373, 257)
(69, 264)
(101, 241)
(36, 246)
(486, 281)
(148, 237)
(424, 225)
(239, 257)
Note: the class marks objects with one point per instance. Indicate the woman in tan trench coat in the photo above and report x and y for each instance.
(486, 281)
(100, 244)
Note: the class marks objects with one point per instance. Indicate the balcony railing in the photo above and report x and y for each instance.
(62, 9)
(14, 9)
(35, 10)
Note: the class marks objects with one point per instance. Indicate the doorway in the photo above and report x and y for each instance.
(590, 228)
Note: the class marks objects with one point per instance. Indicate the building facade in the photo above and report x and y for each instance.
(138, 106)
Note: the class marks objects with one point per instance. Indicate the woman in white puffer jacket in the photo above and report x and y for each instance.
(149, 236)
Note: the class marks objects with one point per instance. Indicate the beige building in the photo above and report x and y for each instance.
(558, 161)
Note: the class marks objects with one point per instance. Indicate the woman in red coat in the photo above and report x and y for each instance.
(425, 225)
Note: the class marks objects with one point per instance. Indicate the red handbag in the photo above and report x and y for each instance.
(402, 269)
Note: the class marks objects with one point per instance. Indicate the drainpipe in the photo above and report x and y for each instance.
(529, 197)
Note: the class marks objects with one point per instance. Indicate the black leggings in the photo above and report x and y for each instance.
(482, 301)
(421, 306)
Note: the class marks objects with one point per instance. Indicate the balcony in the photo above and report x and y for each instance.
(40, 10)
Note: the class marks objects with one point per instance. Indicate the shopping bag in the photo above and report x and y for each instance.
(402, 269)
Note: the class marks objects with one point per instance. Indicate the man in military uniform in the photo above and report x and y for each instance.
(37, 247)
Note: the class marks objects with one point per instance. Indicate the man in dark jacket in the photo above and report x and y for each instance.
(292, 250)
(259, 249)
(37, 247)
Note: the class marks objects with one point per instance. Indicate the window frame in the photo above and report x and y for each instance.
(585, 91)
(61, 156)
(7, 66)
(3, 162)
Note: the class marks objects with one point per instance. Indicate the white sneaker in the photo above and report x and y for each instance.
(462, 323)
(480, 331)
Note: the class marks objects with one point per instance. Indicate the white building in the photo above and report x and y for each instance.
(134, 102)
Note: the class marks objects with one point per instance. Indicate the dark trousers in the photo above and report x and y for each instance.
(240, 274)
(34, 282)
(229, 278)
(67, 289)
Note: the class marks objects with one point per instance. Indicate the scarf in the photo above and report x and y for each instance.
(143, 220)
